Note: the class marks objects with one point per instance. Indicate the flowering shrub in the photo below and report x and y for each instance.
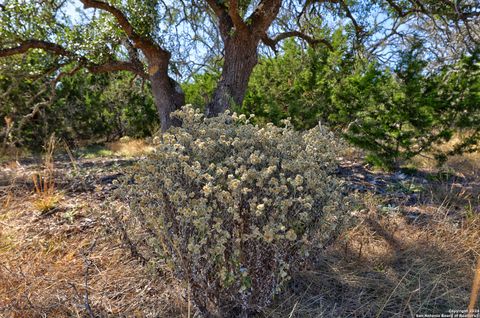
(230, 208)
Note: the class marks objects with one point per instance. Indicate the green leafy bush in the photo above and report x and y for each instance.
(231, 208)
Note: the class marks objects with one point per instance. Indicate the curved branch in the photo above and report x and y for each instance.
(153, 52)
(150, 48)
(272, 42)
(358, 28)
(115, 66)
(119, 16)
(111, 66)
(35, 44)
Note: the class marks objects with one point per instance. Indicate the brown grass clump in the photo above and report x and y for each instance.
(126, 147)
(46, 196)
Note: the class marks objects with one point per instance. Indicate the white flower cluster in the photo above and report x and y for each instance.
(232, 208)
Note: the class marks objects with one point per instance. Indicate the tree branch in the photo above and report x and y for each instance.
(150, 48)
(235, 16)
(399, 10)
(35, 44)
(272, 42)
(218, 9)
(263, 15)
(119, 16)
(132, 66)
(115, 66)
(348, 13)
(228, 16)
(47, 103)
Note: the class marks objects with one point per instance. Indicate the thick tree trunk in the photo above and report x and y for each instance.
(167, 94)
(240, 59)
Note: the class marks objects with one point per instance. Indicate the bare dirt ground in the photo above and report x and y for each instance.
(412, 248)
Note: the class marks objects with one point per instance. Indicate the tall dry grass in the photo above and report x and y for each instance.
(46, 196)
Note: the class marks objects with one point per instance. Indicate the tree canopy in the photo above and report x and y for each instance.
(169, 43)
(162, 40)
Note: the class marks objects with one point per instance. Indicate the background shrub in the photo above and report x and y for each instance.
(231, 208)
(81, 107)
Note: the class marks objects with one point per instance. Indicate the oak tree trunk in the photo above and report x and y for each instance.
(167, 93)
(240, 59)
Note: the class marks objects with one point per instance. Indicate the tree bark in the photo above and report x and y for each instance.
(241, 38)
(167, 93)
(240, 59)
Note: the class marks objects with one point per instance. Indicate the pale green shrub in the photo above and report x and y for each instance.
(231, 209)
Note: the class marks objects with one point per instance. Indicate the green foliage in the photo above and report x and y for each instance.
(84, 106)
(394, 113)
(231, 209)
(297, 84)
(410, 111)
(22, 87)
(108, 106)
(200, 88)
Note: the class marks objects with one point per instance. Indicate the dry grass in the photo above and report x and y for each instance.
(10, 154)
(44, 258)
(46, 201)
(46, 196)
(126, 147)
(455, 188)
(467, 165)
(43, 264)
(387, 265)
